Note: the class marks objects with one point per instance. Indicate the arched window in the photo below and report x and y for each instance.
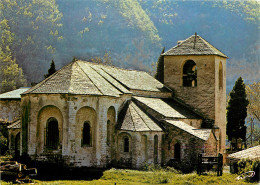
(17, 144)
(108, 132)
(220, 74)
(126, 144)
(155, 149)
(177, 151)
(52, 134)
(86, 134)
(189, 77)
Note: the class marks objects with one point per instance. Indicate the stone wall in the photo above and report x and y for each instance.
(71, 111)
(142, 149)
(202, 97)
(207, 97)
(190, 146)
(10, 109)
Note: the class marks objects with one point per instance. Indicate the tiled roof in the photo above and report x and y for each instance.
(250, 153)
(187, 47)
(15, 125)
(200, 133)
(82, 77)
(168, 108)
(15, 94)
(135, 119)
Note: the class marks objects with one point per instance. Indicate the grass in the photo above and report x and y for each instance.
(134, 177)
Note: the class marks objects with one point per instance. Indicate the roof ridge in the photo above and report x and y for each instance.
(90, 78)
(111, 66)
(46, 79)
(140, 116)
(106, 79)
(131, 117)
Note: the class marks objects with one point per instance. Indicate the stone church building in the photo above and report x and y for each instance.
(93, 115)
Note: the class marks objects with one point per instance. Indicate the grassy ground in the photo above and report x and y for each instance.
(134, 177)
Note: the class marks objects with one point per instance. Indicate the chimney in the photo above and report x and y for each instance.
(195, 40)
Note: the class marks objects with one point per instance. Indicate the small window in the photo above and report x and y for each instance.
(155, 149)
(177, 151)
(189, 77)
(126, 144)
(108, 132)
(52, 134)
(86, 135)
(220, 73)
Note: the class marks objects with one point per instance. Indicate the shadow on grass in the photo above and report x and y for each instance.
(53, 172)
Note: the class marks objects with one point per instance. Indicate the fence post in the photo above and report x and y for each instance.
(199, 164)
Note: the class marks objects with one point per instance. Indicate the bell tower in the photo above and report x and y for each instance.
(196, 72)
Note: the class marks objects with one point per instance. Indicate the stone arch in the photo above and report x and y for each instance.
(111, 118)
(17, 145)
(156, 149)
(121, 142)
(47, 112)
(189, 74)
(52, 133)
(86, 118)
(144, 147)
(220, 75)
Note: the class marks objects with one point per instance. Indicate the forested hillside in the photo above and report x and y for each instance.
(131, 32)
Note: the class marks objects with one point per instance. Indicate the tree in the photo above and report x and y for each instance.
(253, 111)
(11, 75)
(160, 68)
(51, 70)
(237, 113)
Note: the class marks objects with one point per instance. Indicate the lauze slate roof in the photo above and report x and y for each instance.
(15, 94)
(187, 47)
(82, 77)
(250, 153)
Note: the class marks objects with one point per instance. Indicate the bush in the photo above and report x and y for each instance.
(245, 165)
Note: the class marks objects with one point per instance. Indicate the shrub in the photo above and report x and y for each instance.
(245, 165)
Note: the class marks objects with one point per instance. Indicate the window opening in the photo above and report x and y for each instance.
(189, 74)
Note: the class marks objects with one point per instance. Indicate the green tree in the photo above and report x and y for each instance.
(35, 28)
(237, 112)
(160, 68)
(51, 70)
(11, 75)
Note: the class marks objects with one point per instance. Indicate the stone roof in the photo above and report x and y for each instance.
(250, 153)
(168, 108)
(134, 119)
(15, 94)
(82, 77)
(200, 133)
(15, 125)
(187, 47)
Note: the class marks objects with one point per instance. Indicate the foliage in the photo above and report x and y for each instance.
(51, 70)
(11, 75)
(245, 165)
(133, 12)
(135, 177)
(3, 137)
(160, 68)
(253, 94)
(34, 30)
(237, 111)
(250, 10)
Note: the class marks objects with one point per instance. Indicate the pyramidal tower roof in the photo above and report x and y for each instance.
(194, 45)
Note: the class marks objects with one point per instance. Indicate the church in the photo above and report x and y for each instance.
(93, 115)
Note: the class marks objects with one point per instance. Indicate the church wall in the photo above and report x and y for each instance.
(202, 97)
(211, 146)
(10, 109)
(141, 151)
(220, 102)
(190, 146)
(71, 111)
